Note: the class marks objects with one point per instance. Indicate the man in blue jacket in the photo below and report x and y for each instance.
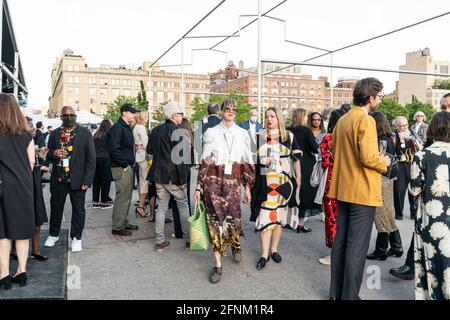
(120, 143)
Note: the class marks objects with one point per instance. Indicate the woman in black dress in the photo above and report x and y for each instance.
(17, 219)
(307, 143)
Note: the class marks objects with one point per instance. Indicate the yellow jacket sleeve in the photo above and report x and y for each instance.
(368, 146)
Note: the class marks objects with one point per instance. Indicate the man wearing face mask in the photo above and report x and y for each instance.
(72, 152)
(252, 126)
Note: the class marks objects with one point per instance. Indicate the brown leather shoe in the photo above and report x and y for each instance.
(159, 247)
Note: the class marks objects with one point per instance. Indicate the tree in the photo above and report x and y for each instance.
(200, 106)
(415, 106)
(391, 108)
(142, 98)
(113, 109)
(441, 84)
(158, 114)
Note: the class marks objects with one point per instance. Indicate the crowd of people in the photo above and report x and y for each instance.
(362, 168)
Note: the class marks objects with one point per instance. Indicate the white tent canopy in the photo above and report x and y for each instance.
(85, 117)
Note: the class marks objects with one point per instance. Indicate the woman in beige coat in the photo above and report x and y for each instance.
(140, 134)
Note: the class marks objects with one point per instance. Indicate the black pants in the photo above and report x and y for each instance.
(58, 197)
(102, 180)
(348, 256)
(410, 255)
(400, 188)
(176, 214)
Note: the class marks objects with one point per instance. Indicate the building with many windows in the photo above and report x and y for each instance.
(94, 88)
(424, 88)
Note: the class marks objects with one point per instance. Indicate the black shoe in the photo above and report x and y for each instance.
(215, 275)
(21, 279)
(132, 227)
(122, 232)
(334, 298)
(6, 282)
(237, 255)
(413, 217)
(39, 257)
(168, 220)
(404, 272)
(377, 255)
(276, 257)
(397, 253)
(188, 245)
(262, 262)
(303, 229)
(398, 217)
(13, 256)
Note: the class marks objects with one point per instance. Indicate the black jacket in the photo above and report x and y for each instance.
(212, 121)
(39, 139)
(121, 145)
(82, 163)
(101, 147)
(160, 145)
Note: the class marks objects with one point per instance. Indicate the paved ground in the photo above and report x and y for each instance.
(110, 267)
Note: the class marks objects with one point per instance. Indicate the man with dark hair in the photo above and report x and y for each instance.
(356, 185)
(120, 142)
(445, 103)
(72, 152)
(39, 138)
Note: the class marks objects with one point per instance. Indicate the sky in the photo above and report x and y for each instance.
(118, 32)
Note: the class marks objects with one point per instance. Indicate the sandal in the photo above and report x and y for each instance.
(139, 212)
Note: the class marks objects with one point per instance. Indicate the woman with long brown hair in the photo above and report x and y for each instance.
(307, 143)
(17, 158)
(278, 178)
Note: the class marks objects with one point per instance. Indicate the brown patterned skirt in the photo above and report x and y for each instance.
(384, 216)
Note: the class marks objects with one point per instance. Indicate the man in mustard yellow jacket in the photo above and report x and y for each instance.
(356, 184)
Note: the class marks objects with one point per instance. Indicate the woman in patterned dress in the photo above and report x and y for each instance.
(276, 191)
(430, 173)
(226, 165)
(329, 204)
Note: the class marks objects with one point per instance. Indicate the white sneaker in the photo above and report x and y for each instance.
(76, 245)
(50, 242)
(326, 261)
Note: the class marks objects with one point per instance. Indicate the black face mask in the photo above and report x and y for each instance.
(69, 122)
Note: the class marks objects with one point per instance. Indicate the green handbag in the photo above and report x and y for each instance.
(199, 231)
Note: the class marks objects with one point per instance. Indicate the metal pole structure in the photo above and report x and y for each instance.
(1, 42)
(182, 76)
(16, 74)
(259, 62)
(331, 82)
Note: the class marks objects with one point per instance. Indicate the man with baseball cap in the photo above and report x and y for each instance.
(120, 142)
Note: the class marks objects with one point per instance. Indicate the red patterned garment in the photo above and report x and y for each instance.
(329, 204)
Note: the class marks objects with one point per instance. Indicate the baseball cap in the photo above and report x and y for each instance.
(128, 107)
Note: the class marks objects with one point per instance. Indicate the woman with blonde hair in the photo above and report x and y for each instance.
(278, 178)
(420, 127)
(307, 143)
(17, 159)
(140, 135)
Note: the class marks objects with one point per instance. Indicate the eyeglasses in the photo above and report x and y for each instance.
(67, 116)
(179, 114)
(381, 96)
(419, 115)
(229, 109)
(403, 126)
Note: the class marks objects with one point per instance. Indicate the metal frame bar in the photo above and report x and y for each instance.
(367, 40)
(12, 77)
(324, 65)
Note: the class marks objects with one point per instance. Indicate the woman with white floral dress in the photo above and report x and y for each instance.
(430, 173)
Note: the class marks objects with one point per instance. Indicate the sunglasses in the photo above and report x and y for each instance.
(67, 116)
(229, 109)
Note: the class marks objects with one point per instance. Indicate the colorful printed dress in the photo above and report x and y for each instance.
(226, 165)
(330, 205)
(275, 196)
(430, 173)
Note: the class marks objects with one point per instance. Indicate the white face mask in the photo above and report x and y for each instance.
(253, 119)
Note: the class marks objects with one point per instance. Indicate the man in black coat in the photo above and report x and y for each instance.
(39, 138)
(120, 143)
(72, 152)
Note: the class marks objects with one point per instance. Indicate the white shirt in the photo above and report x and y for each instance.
(252, 130)
(227, 145)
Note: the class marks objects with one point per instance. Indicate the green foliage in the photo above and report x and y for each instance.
(113, 111)
(140, 102)
(158, 115)
(200, 106)
(391, 108)
(415, 106)
(441, 84)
